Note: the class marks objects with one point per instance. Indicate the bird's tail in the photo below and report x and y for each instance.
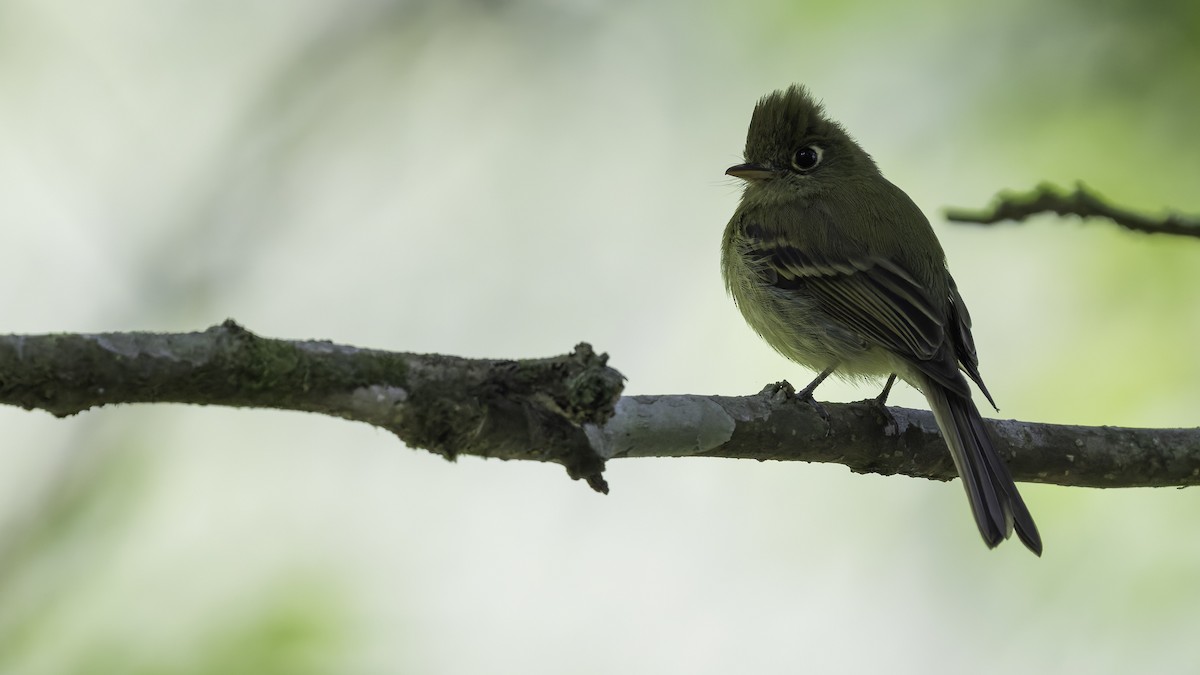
(995, 502)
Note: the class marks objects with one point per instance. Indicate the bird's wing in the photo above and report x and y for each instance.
(871, 296)
(964, 344)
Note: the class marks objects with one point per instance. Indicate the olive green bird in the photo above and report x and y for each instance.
(839, 271)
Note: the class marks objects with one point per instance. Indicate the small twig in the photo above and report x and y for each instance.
(1082, 202)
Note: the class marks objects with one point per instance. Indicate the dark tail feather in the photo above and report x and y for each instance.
(995, 502)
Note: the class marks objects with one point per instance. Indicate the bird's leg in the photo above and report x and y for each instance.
(806, 394)
(887, 389)
(880, 402)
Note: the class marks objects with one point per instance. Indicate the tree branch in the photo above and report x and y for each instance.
(1047, 198)
(564, 409)
(869, 438)
(530, 409)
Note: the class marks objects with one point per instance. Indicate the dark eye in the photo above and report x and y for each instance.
(807, 158)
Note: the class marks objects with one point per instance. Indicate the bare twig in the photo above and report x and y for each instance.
(1082, 202)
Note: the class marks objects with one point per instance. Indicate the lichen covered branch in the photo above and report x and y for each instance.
(565, 409)
(512, 409)
(868, 438)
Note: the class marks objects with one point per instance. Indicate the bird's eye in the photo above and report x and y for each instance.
(807, 158)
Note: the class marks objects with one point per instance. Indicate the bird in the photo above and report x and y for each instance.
(840, 271)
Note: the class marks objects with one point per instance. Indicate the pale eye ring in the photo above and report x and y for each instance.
(807, 158)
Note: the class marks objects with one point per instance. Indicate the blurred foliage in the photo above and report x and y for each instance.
(295, 632)
(74, 535)
(48, 556)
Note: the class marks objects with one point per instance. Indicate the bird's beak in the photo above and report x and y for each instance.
(750, 171)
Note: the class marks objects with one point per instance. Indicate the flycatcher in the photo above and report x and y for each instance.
(839, 271)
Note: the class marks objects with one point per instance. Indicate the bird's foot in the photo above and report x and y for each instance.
(806, 395)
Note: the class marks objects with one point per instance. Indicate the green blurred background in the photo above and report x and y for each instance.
(506, 179)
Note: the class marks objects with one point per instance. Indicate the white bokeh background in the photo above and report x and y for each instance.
(506, 179)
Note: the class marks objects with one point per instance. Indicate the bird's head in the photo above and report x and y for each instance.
(794, 152)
